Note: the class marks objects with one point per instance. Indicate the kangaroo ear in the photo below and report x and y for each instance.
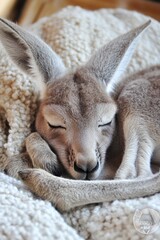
(30, 53)
(109, 62)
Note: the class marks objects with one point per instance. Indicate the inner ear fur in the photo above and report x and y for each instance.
(109, 62)
(30, 53)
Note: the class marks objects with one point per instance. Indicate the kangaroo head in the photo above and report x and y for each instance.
(77, 111)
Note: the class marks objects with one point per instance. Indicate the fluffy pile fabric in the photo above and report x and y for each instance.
(74, 34)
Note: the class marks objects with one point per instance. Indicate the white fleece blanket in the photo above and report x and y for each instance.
(74, 34)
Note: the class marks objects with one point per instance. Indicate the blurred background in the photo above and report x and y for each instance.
(28, 11)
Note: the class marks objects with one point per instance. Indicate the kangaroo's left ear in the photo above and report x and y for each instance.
(30, 53)
(109, 62)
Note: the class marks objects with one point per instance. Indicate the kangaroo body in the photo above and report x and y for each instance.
(139, 114)
(86, 117)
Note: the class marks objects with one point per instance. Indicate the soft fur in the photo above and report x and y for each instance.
(80, 120)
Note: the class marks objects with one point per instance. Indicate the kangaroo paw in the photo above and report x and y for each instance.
(126, 173)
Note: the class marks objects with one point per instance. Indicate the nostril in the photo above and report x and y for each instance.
(78, 169)
(95, 168)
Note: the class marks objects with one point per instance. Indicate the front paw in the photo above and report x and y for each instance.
(126, 173)
(41, 154)
(48, 187)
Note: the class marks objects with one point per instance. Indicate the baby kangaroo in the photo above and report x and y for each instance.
(84, 115)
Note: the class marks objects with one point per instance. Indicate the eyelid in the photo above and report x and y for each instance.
(56, 126)
(106, 124)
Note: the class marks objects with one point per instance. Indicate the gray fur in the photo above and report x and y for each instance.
(30, 53)
(86, 126)
(114, 52)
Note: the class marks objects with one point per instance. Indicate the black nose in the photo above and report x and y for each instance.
(81, 170)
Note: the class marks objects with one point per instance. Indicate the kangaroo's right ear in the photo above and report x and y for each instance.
(30, 53)
(110, 61)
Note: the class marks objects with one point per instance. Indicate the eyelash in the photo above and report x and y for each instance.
(55, 127)
(106, 124)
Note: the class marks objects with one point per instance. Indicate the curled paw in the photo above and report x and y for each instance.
(126, 173)
(41, 154)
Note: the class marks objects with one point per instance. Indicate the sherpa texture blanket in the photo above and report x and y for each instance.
(74, 33)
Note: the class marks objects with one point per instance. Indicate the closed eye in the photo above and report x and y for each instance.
(105, 124)
(56, 126)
